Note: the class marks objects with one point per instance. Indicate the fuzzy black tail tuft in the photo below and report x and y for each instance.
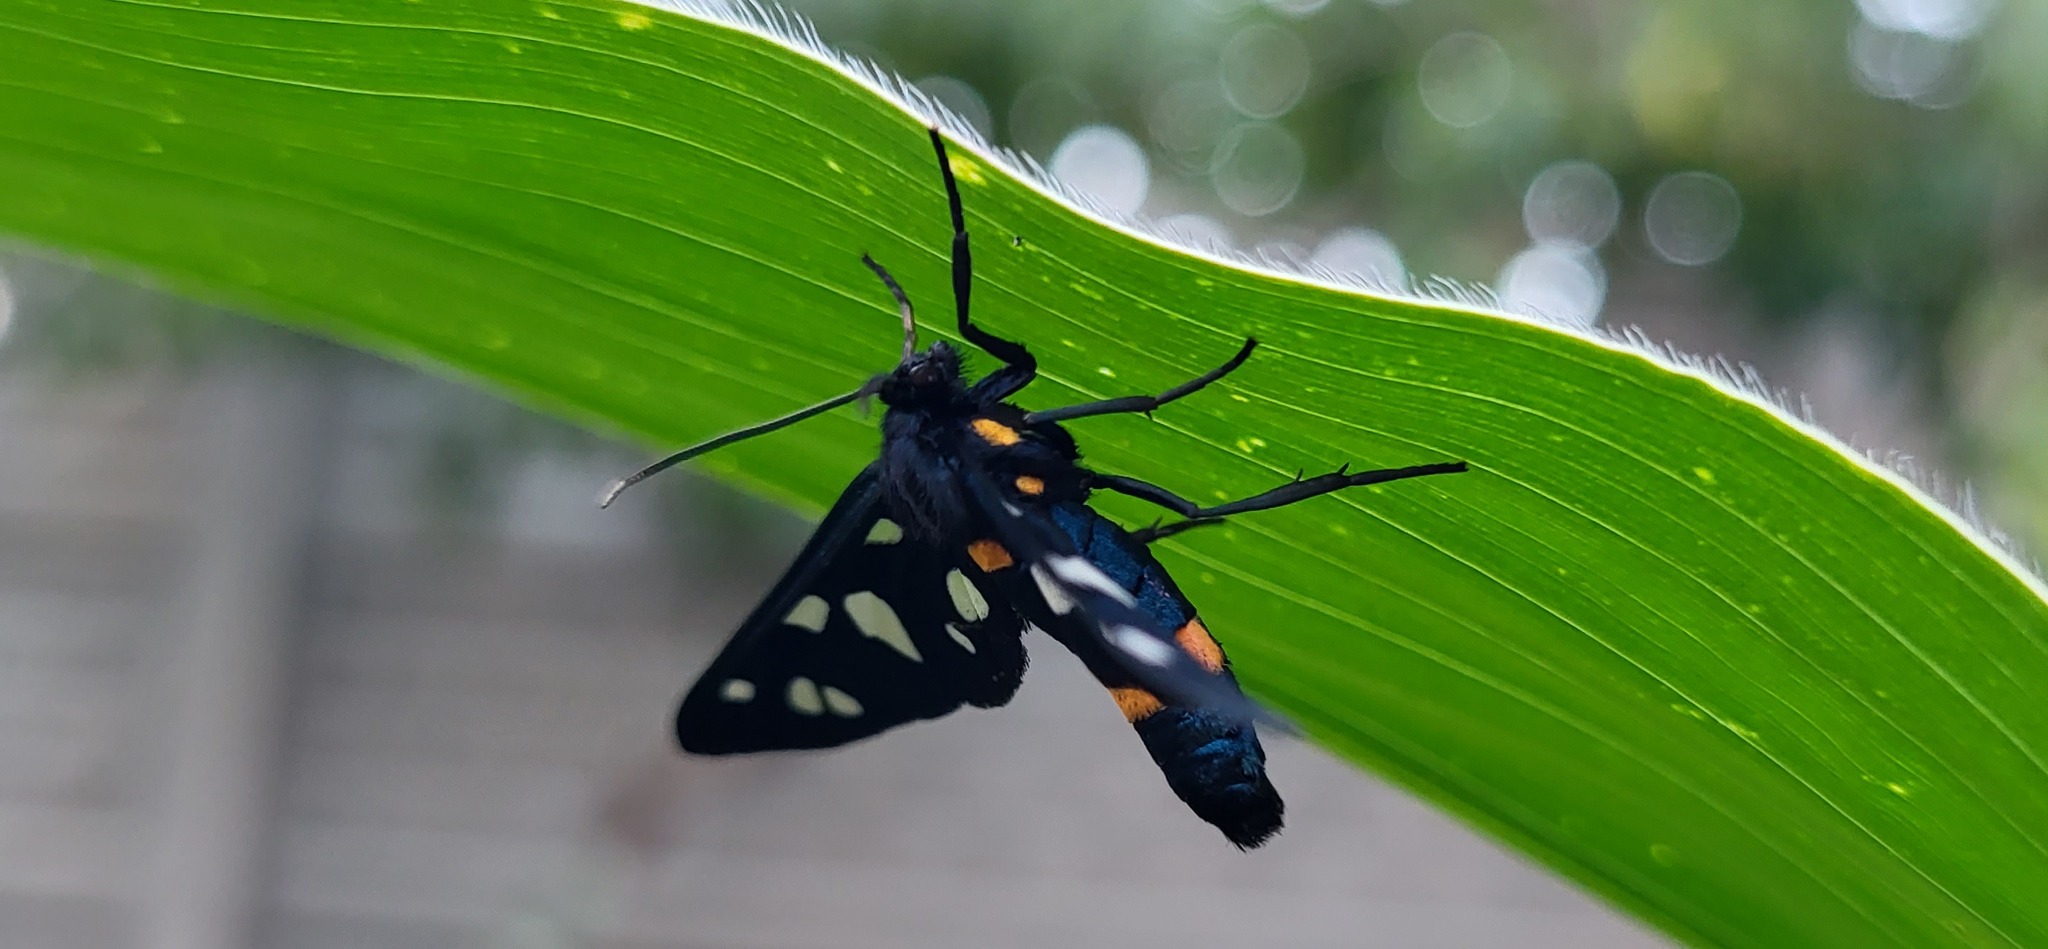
(1215, 764)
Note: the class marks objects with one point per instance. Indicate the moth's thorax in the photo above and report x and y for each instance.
(926, 399)
(931, 448)
(921, 474)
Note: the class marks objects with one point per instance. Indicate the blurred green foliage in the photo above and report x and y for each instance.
(1896, 171)
(1887, 156)
(1890, 156)
(1661, 640)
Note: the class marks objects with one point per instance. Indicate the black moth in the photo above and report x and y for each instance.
(911, 599)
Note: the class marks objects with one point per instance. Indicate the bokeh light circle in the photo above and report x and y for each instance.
(1258, 168)
(1939, 19)
(1554, 281)
(1362, 252)
(1464, 79)
(1895, 65)
(1692, 218)
(1105, 163)
(1265, 71)
(1571, 202)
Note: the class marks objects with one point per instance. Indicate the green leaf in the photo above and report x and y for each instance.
(1662, 638)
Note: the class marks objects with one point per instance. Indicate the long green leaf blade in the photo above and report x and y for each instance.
(1661, 638)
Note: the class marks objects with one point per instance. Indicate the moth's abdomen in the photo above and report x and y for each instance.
(1216, 766)
(1212, 761)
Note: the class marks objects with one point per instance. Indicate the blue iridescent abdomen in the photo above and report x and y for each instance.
(1214, 763)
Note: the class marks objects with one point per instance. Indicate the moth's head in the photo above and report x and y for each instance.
(922, 377)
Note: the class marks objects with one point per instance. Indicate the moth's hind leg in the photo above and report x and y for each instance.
(1300, 489)
(1161, 531)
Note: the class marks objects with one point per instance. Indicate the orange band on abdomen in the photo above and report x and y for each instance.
(1195, 640)
(1136, 704)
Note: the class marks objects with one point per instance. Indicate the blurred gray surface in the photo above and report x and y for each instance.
(248, 699)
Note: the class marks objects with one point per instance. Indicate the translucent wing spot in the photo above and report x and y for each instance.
(967, 598)
(1055, 595)
(1140, 645)
(1195, 640)
(989, 555)
(841, 704)
(1081, 573)
(995, 433)
(803, 697)
(960, 637)
(872, 615)
(1027, 484)
(885, 531)
(809, 613)
(736, 690)
(1136, 704)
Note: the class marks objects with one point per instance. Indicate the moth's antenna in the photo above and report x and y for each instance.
(902, 305)
(617, 487)
(870, 388)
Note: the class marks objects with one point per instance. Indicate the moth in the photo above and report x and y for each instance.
(974, 523)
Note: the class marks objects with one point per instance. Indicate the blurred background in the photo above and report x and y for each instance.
(299, 648)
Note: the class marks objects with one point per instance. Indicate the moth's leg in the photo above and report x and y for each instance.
(1019, 367)
(1160, 531)
(1300, 489)
(1144, 403)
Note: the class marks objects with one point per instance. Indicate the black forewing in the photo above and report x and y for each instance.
(1101, 622)
(868, 630)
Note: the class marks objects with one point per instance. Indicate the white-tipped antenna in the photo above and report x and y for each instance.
(617, 487)
(902, 306)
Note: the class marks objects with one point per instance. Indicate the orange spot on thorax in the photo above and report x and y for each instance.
(995, 433)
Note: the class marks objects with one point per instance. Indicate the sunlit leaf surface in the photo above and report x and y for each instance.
(1659, 638)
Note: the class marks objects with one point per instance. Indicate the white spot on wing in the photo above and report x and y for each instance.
(1141, 646)
(872, 615)
(809, 613)
(1056, 596)
(736, 690)
(885, 531)
(960, 637)
(967, 598)
(803, 697)
(1081, 573)
(841, 704)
